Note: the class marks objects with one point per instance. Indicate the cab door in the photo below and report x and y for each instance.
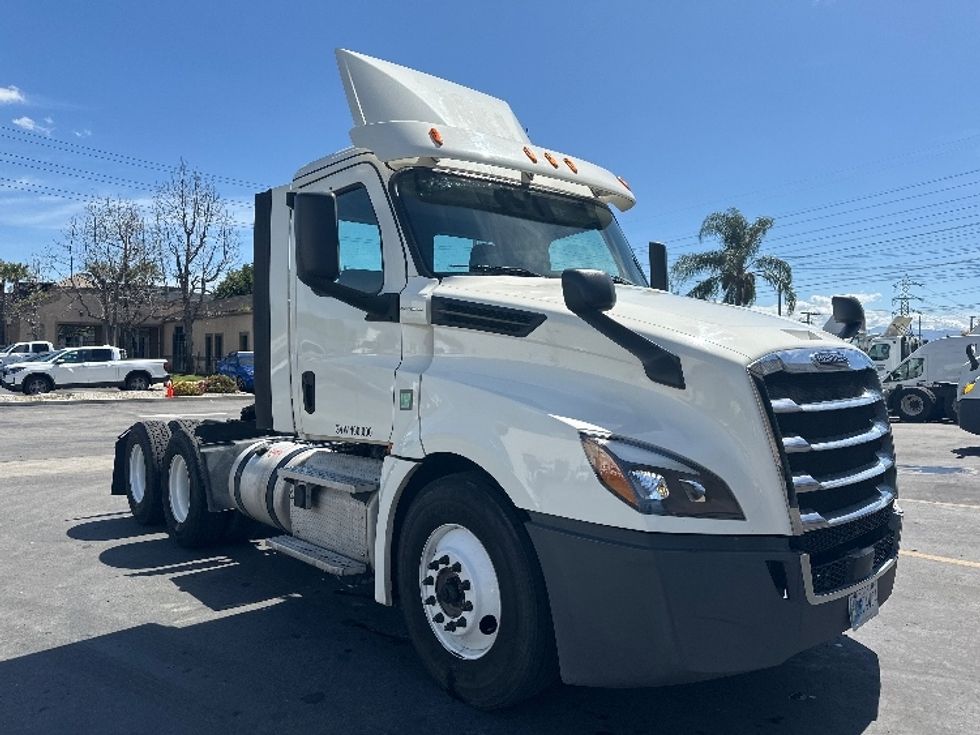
(344, 360)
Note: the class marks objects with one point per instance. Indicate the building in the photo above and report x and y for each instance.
(223, 326)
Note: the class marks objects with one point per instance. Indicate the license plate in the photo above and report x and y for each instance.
(862, 605)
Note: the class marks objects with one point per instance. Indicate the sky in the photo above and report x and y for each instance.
(855, 125)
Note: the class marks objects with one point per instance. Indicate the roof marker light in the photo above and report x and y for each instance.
(623, 182)
(436, 136)
(571, 164)
(530, 154)
(551, 159)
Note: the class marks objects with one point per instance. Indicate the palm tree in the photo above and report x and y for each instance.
(732, 271)
(9, 273)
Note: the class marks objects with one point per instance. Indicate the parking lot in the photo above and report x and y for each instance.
(107, 627)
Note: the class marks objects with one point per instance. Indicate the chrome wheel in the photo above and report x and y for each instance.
(459, 591)
(137, 474)
(179, 486)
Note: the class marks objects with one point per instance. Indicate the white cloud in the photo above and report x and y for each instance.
(84, 133)
(11, 95)
(31, 125)
(933, 325)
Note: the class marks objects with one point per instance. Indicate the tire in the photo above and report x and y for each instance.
(137, 381)
(506, 650)
(37, 384)
(146, 445)
(240, 384)
(183, 498)
(951, 407)
(915, 405)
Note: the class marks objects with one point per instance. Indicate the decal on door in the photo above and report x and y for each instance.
(349, 430)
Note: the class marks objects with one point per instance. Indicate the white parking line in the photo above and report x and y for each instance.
(902, 501)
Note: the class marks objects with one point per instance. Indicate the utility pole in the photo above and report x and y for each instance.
(809, 314)
(972, 317)
(779, 302)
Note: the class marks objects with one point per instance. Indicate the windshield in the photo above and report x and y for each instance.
(880, 351)
(908, 370)
(480, 227)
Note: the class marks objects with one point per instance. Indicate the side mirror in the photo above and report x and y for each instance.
(587, 291)
(971, 355)
(317, 239)
(658, 266)
(849, 313)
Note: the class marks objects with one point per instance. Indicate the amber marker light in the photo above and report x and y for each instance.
(551, 159)
(436, 136)
(571, 164)
(607, 470)
(530, 154)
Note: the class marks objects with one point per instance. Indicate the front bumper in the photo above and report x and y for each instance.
(968, 414)
(643, 609)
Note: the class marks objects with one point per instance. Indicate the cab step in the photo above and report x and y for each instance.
(317, 556)
(339, 472)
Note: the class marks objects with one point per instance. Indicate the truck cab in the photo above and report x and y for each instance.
(466, 389)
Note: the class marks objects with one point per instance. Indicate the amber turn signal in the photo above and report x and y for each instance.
(436, 136)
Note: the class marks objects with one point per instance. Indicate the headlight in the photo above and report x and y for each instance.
(657, 482)
(16, 369)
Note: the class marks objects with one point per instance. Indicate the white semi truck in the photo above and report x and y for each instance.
(924, 386)
(467, 390)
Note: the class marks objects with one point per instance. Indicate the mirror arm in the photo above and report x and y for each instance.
(381, 307)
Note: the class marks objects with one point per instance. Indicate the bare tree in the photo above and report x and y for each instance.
(106, 260)
(10, 275)
(195, 232)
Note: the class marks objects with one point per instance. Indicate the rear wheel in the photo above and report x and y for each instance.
(37, 384)
(137, 381)
(146, 445)
(241, 384)
(184, 501)
(916, 405)
(472, 594)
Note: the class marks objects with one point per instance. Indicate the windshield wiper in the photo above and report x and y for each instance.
(622, 281)
(504, 270)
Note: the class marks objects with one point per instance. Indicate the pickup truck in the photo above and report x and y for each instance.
(20, 350)
(84, 366)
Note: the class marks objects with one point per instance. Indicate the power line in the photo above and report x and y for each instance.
(125, 159)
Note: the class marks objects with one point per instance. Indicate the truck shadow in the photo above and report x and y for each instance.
(282, 648)
(964, 452)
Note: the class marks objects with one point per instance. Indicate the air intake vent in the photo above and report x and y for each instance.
(484, 317)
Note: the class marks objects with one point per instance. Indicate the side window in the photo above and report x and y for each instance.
(915, 367)
(21, 347)
(38, 348)
(582, 250)
(880, 351)
(100, 355)
(73, 357)
(360, 241)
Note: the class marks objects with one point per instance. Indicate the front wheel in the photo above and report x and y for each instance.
(36, 385)
(473, 595)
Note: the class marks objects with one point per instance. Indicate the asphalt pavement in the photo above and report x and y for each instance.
(107, 627)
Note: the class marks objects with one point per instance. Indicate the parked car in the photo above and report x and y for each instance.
(84, 366)
(39, 357)
(20, 350)
(240, 366)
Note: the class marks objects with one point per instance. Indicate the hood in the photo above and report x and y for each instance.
(743, 333)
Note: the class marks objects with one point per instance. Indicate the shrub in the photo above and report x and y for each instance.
(188, 388)
(220, 384)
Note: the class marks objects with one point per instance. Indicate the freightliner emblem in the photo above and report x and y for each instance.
(829, 358)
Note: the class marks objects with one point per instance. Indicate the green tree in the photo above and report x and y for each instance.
(238, 282)
(10, 275)
(733, 270)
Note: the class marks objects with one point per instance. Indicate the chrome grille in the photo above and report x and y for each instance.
(830, 424)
